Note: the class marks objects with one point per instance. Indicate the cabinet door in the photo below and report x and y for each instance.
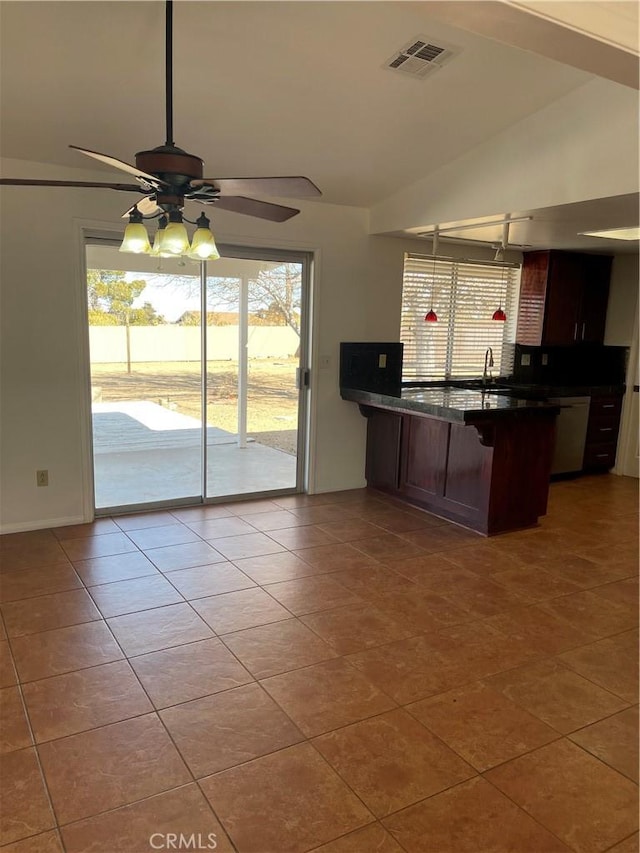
(384, 434)
(533, 293)
(564, 297)
(595, 298)
(424, 457)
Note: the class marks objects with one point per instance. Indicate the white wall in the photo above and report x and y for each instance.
(108, 344)
(622, 330)
(43, 335)
(622, 311)
(582, 146)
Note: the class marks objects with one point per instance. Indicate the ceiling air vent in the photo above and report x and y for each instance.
(420, 57)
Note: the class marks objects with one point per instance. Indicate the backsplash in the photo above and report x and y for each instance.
(585, 364)
(371, 366)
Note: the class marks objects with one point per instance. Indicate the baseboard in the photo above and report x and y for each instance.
(43, 524)
(361, 485)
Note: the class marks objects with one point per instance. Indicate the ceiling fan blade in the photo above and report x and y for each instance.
(146, 205)
(120, 164)
(253, 207)
(291, 186)
(21, 182)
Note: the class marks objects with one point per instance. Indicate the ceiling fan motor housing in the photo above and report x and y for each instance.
(172, 165)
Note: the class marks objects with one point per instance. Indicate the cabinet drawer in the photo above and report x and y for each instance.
(600, 456)
(603, 430)
(605, 407)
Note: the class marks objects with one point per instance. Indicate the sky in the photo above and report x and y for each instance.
(171, 296)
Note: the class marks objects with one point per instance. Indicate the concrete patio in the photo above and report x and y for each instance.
(144, 453)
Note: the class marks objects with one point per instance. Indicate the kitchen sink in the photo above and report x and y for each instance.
(464, 385)
(479, 385)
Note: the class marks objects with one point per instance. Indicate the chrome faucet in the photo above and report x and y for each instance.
(488, 364)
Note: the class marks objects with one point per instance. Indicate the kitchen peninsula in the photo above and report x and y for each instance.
(477, 457)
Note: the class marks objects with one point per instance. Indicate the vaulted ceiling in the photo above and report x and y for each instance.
(266, 87)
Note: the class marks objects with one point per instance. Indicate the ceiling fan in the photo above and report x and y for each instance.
(167, 175)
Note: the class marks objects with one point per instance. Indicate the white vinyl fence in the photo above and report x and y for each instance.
(182, 343)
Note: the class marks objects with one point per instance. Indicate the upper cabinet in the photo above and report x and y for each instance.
(563, 298)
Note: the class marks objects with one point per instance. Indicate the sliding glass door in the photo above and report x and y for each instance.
(254, 360)
(196, 376)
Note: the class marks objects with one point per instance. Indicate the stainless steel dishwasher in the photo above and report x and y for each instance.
(571, 433)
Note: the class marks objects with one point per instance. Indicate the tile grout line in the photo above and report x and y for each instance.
(524, 810)
(34, 745)
(340, 657)
(153, 712)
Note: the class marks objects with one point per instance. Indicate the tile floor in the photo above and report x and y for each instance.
(336, 673)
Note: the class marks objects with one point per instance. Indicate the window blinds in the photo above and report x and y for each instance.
(464, 294)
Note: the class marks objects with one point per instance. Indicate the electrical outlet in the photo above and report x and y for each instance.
(525, 359)
(382, 359)
(324, 362)
(545, 359)
(42, 478)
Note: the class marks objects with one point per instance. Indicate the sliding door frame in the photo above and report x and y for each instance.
(94, 233)
(306, 260)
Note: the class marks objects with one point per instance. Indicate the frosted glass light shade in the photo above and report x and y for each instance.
(158, 250)
(135, 240)
(203, 246)
(175, 240)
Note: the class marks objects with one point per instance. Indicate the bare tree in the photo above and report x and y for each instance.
(274, 295)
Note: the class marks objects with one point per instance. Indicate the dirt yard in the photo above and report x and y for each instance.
(272, 398)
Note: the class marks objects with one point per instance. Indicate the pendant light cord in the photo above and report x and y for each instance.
(436, 235)
(169, 70)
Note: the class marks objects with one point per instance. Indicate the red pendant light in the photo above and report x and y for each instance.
(499, 315)
(431, 316)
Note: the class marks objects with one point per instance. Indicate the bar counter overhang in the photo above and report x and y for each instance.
(479, 458)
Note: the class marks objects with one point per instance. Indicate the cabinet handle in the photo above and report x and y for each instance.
(606, 429)
(608, 405)
(601, 455)
(583, 325)
(575, 332)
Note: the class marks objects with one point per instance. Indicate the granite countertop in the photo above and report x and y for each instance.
(450, 403)
(523, 390)
(565, 390)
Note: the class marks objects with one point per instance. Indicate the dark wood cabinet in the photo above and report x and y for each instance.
(492, 476)
(423, 474)
(602, 432)
(595, 298)
(384, 433)
(563, 298)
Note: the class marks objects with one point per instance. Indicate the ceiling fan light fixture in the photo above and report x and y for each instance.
(175, 240)
(167, 175)
(158, 251)
(203, 244)
(136, 239)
